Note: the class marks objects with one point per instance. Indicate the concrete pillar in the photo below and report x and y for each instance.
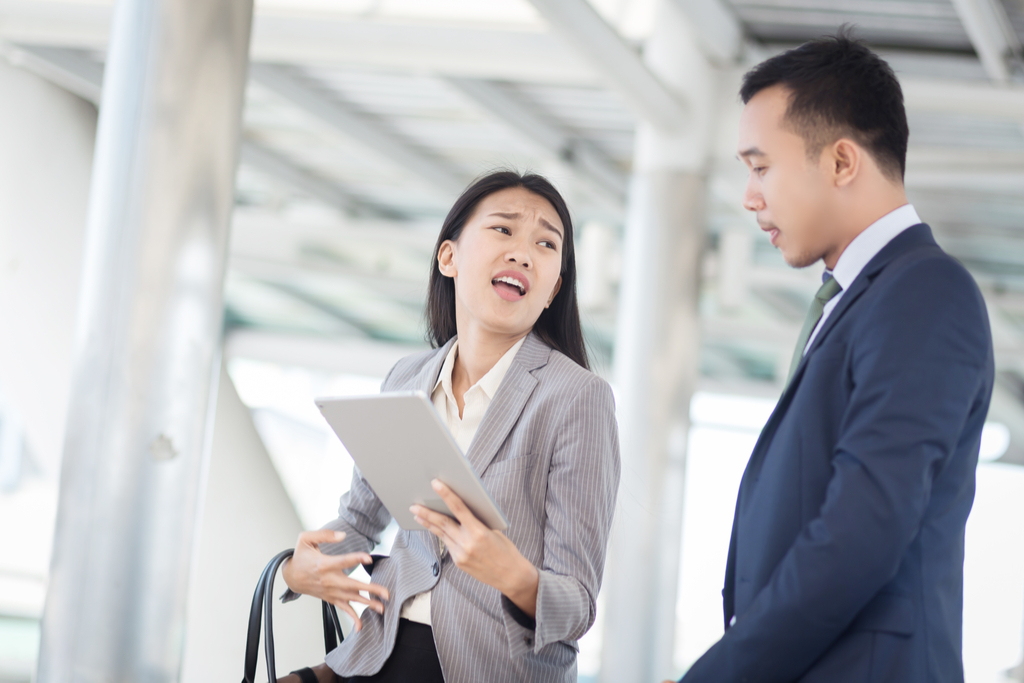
(46, 142)
(657, 362)
(247, 519)
(148, 339)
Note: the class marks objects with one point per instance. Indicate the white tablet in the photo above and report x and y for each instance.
(400, 445)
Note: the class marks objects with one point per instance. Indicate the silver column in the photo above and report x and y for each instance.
(147, 346)
(656, 362)
(657, 354)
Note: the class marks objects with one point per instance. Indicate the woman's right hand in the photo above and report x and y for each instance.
(310, 572)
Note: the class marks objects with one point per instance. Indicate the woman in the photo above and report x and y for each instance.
(509, 374)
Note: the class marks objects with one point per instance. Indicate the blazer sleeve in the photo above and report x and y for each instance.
(583, 481)
(361, 516)
(920, 365)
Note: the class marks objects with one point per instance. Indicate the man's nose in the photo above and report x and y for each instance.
(752, 198)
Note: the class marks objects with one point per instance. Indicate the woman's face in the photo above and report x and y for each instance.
(506, 263)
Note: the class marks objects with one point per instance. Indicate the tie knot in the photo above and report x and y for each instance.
(828, 290)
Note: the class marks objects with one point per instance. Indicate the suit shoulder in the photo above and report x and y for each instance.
(932, 266)
(933, 294)
(407, 368)
(572, 378)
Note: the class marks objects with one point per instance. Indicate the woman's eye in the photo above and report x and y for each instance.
(759, 170)
(503, 230)
(550, 245)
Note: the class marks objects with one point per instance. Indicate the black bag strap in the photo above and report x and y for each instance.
(263, 601)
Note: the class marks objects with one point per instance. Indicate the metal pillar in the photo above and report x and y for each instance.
(147, 345)
(656, 364)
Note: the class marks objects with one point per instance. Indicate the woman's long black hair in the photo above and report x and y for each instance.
(559, 324)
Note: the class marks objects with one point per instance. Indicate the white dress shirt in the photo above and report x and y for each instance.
(860, 252)
(463, 429)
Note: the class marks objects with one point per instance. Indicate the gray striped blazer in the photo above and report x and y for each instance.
(547, 451)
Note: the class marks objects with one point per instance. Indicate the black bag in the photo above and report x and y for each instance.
(263, 601)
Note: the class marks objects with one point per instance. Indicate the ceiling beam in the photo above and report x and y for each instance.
(588, 163)
(620, 65)
(993, 37)
(962, 97)
(66, 68)
(282, 36)
(717, 30)
(75, 72)
(261, 158)
(361, 128)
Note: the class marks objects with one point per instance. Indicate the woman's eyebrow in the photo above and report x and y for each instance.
(516, 216)
(551, 227)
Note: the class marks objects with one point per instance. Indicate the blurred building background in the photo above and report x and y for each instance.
(363, 120)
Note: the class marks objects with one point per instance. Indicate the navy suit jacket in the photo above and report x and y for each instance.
(846, 559)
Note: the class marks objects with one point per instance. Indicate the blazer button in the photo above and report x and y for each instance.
(528, 640)
(436, 569)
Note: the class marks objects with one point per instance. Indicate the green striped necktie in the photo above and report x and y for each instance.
(824, 295)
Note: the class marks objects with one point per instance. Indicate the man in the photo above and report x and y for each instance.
(846, 559)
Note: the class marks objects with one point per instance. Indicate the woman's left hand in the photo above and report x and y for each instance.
(486, 555)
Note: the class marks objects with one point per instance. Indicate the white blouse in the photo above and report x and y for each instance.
(463, 429)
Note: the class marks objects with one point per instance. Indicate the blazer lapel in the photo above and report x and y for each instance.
(508, 402)
(914, 236)
(427, 377)
(911, 238)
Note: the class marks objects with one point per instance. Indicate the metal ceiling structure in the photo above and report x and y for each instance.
(364, 118)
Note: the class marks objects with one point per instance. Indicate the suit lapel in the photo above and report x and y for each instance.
(508, 402)
(428, 374)
(914, 236)
(911, 238)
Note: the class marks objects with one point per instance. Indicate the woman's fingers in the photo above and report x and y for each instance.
(315, 538)
(355, 596)
(347, 609)
(455, 504)
(442, 526)
(339, 584)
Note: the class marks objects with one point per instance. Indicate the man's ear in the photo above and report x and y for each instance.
(446, 259)
(554, 292)
(845, 159)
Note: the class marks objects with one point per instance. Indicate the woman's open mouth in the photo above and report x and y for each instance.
(509, 287)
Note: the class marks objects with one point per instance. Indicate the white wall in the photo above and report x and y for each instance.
(247, 519)
(46, 142)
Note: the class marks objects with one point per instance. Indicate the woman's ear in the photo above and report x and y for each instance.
(446, 259)
(554, 292)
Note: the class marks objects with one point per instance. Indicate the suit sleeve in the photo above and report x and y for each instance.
(361, 516)
(919, 364)
(583, 481)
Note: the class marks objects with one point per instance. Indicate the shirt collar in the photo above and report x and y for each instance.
(489, 383)
(867, 244)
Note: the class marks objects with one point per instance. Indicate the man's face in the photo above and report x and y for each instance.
(788, 192)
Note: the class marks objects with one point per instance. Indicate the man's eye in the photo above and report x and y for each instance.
(759, 170)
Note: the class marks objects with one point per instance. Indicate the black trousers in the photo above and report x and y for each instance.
(414, 659)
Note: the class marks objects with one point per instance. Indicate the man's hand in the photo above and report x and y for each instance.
(310, 572)
(486, 555)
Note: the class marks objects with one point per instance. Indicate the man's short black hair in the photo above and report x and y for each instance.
(839, 88)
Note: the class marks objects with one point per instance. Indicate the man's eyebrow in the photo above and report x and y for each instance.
(751, 152)
(516, 216)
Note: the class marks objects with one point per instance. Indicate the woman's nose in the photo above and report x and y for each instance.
(518, 259)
